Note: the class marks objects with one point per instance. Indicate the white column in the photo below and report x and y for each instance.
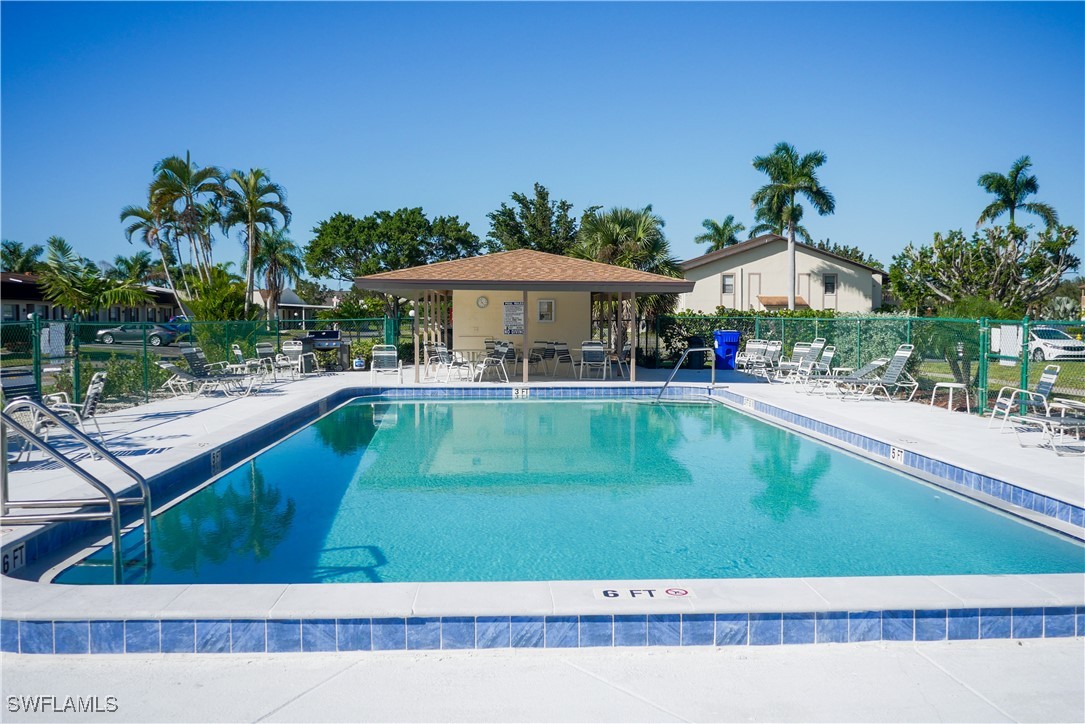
(632, 337)
(414, 329)
(527, 347)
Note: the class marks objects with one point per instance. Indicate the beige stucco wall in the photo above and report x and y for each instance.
(763, 271)
(471, 325)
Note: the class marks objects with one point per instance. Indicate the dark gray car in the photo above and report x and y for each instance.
(157, 335)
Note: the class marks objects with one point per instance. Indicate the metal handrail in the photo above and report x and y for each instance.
(712, 384)
(108, 498)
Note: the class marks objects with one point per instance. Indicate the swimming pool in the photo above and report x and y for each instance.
(570, 490)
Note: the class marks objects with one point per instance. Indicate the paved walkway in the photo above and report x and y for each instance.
(1035, 680)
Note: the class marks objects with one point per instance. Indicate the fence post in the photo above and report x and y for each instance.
(146, 373)
(1024, 353)
(35, 348)
(858, 342)
(278, 333)
(757, 327)
(909, 339)
(77, 392)
(981, 375)
(658, 361)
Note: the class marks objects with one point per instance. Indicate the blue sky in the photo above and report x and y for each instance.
(358, 107)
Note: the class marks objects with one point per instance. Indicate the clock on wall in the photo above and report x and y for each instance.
(482, 302)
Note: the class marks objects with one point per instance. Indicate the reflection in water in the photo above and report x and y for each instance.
(789, 482)
(347, 430)
(246, 518)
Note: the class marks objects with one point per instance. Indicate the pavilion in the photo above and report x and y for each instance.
(522, 293)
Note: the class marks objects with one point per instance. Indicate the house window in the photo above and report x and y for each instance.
(728, 283)
(829, 283)
(546, 310)
(11, 312)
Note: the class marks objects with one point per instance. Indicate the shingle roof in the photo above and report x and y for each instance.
(762, 240)
(523, 269)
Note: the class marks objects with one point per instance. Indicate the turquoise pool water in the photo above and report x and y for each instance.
(552, 490)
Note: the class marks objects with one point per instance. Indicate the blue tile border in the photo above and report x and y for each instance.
(259, 636)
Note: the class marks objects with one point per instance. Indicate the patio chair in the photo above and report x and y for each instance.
(385, 361)
(802, 354)
(301, 362)
(1062, 434)
(184, 382)
(593, 357)
(447, 361)
(894, 377)
(495, 361)
(755, 348)
(251, 365)
(562, 355)
(1025, 401)
(79, 414)
(19, 384)
(547, 351)
(847, 384)
(766, 364)
(818, 371)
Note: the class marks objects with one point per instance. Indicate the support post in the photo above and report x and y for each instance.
(526, 352)
(632, 342)
(35, 348)
(414, 329)
(146, 372)
(1024, 353)
(77, 396)
(984, 361)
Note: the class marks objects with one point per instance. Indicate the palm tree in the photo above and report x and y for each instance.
(139, 266)
(253, 201)
(776, 223)
(633, 239)
(719, 235)
(791, 176)
(178, 194)
(154, 230)
(17, 259)
(1011, 191)
(280, 260)
(70, 281)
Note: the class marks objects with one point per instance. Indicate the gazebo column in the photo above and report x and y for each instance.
(632, 337)
(526, 349)
(414, 330)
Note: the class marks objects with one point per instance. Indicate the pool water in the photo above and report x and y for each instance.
(567, 490)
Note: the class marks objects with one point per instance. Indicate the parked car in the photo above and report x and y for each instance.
(1048, 343)
(157, 334)
(179, 324)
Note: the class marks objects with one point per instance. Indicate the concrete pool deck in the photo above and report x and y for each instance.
(157, 437)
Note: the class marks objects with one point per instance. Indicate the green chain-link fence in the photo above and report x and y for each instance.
(984, 354)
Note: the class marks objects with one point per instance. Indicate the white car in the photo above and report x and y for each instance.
(1048, 343)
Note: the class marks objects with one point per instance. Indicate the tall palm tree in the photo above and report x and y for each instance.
(179, 193)
(719, 235)
(252, 200)
(633, 239)
(154, 230)
(139, 267)
(1011, 191)
(790, 177)
(70, 281)
(776, 223)
(280, 260)
(19, 259)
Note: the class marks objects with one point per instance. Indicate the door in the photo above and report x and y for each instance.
(753, 290)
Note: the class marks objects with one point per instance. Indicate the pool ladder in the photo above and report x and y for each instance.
(107, 498)
(682, 359)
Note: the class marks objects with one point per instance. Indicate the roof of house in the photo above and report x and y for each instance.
(764, 240)
(768, 301)
(523, 269)
(26, 287)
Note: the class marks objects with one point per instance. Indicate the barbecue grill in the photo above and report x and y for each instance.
(330, 339)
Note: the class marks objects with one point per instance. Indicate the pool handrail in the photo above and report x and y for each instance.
(712, 384)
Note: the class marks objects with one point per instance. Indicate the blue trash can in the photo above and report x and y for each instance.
(726, 348)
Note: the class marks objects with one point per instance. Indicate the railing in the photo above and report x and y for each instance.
(109, 498)
(711, 385)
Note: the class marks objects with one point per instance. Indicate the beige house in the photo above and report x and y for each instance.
(752, 276)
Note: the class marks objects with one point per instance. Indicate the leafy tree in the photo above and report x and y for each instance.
(790, 177)
(70, 281)
(355, 304)
(279, 259)
(139, 267)
(346, 247)
(633, 239)
(534, 223)
(1011, 191)
(16, 258)
(153, 226)
(185, 195)
(252, 201)
(720, 235)
(849, 252)
(1003, 265)
(221, 297)
(311, 292)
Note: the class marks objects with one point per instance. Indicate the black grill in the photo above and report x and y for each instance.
(326, 339)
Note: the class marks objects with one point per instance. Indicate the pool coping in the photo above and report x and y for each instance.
(51, 618)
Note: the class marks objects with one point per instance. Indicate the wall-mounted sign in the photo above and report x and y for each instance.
(513, 318)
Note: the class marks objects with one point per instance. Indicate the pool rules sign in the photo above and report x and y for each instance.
(643, 594)
(513, 319)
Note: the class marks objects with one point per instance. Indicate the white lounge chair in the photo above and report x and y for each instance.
(495, 361)
(1025, 400)
(385, 361)
(754, 349)
(894, 377)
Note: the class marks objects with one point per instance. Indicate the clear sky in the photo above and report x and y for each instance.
(358, 107)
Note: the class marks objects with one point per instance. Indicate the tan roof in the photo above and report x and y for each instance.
(762, 240)
(522, 269)
(768, 301)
